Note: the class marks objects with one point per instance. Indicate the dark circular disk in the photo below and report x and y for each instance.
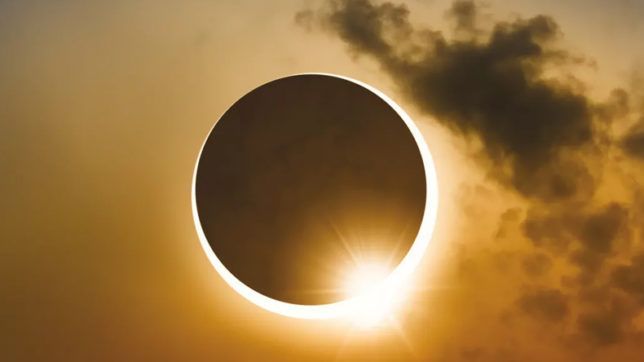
(305, 178)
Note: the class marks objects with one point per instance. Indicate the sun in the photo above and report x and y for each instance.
(371, 291)
(364, 279)
(376, 302)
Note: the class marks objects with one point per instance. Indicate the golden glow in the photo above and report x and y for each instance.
(364, 279)
(376, 302)
(380, 293)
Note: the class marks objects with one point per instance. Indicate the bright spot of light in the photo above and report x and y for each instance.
(374, 301)
(364, 279)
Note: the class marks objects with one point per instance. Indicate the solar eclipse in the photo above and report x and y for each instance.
(306, 181)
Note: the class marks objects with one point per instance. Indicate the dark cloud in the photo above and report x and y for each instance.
(597, 235)
(507, 221)
(549, 229)
(600, 229)
(304, 19)
(536, 264)
(590, 237)
(539, 135)
(602, 328)
(549, 305)
(492, 89)
(630, 278)
(633, 142)
(587, 237)
(608, 324)
(464, 13)
(608, 309)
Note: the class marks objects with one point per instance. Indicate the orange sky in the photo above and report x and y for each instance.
(104, 109)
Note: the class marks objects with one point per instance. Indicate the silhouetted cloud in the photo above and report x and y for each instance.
(630, 277)
(539, 135)
(492, 89)
(599, 230)
(547, 304)
(465, 15)
(605, 326)
(586, 237)
(633, 142)
(536, 264)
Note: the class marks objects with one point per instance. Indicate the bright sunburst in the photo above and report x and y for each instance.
(376, 302)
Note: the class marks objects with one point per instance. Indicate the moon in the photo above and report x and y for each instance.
(306, 177)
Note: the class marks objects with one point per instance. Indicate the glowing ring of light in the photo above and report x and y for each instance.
(397, 276)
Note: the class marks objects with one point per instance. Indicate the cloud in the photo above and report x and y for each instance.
(537, 264)
(599, 230)
(605, 326)
(633, 142)
(540, 136)
(630, 277)
(586, 236)
(465, 15)
(493, 90)
(546, 304)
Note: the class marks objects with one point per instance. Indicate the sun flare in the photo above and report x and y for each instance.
(374, 302)
(364, 279)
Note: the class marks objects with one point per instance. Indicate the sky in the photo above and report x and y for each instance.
(532, 111)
